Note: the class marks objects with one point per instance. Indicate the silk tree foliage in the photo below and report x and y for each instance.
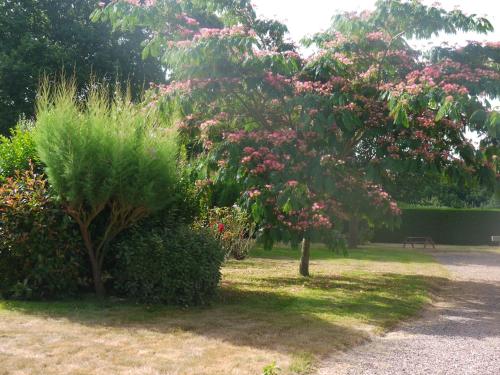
(312, 140)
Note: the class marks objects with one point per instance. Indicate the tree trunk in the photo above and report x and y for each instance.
(94, 262)
(304, 259)
(353, 239)
(97, 276)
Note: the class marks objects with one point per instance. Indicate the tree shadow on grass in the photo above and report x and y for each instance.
(288, 315)
(380, 300)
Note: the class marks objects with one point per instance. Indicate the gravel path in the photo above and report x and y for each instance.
(460, 336)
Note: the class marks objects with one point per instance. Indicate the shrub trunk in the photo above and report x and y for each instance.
(97, 276)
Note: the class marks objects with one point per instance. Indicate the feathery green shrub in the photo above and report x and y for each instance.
(110, 161)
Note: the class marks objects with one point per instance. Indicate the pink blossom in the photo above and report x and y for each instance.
(338, 41)
(208, 124)
(278, 81)
(246, 160)
(258, 169)
(321, 221)
(492, 44)
(254, 193)
(318, 206)
(235, 137)
(238, 30)
(191, 21)
(342, 58)
(377, 35)
(207, 144)
(291, 55)
(184, 32)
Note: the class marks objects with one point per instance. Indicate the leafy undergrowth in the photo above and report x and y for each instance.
(264, 313)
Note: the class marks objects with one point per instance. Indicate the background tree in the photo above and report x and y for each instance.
(310, 141)
(40, 37)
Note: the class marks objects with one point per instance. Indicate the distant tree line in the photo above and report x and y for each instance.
(46, 37)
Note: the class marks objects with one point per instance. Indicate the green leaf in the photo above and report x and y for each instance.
(287, 207)
(257, 211)
(493, 124)
(401, 117)
(146, 52)
(478, 117)
(443, 111)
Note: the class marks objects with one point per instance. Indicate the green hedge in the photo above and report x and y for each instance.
(167, 265)
(445, 226)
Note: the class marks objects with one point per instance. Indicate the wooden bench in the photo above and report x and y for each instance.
(419, 240)
(495, 240)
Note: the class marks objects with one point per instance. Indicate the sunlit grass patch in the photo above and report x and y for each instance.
(264, 312)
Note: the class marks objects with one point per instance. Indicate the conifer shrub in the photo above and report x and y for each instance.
(110, 161)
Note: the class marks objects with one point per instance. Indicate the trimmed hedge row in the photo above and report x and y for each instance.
(445, 226)
(166, 265)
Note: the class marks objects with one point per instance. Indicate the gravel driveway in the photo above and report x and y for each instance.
(460, 335)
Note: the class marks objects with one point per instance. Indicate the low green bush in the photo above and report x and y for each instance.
(17, 151)
(445, 226)
(167, 265)
(40, 251)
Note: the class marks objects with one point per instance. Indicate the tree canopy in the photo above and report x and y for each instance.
(311, 140)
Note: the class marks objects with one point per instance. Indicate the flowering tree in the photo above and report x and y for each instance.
(312, 140)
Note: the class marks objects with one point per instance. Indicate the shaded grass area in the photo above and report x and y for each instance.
(265, 312)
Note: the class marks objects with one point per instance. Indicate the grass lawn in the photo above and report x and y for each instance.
(265, 313)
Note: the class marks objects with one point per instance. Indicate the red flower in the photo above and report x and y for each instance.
(220, 227)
